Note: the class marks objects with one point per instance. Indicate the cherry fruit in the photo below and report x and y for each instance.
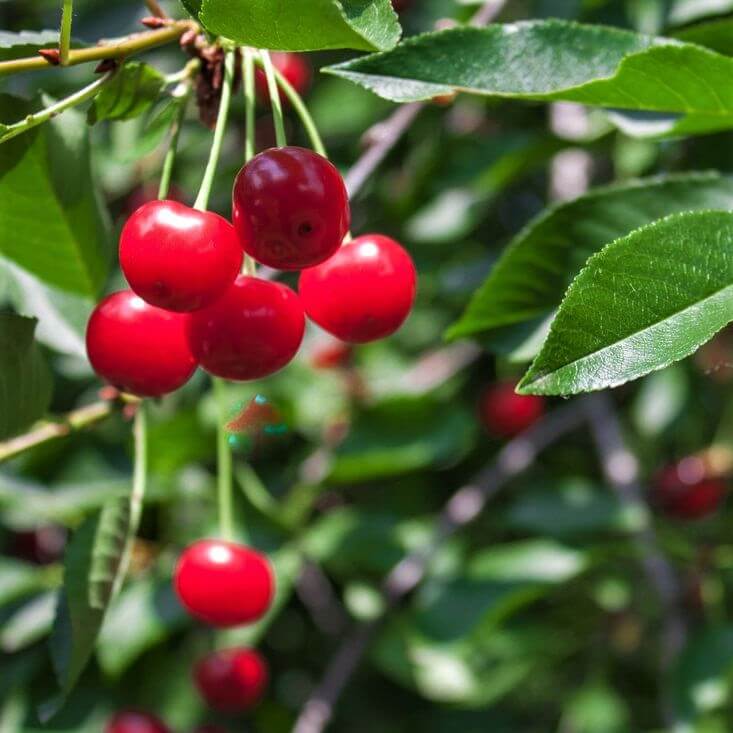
(179, 258)
(290, 208)
(682, 490)
(42, 546)
(364, 292)
(505, 413)
(293, 66)
(253, 330)
(224, 584)
(231, 680)
(134, 721)
(137, 347)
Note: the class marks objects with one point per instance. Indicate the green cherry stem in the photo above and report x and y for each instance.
(202, 200)
(170, 156)
(250, 101)
(277, 109)
(65, 33)
(38, 118)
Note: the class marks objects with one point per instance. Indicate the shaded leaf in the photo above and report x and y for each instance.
(29, 623)
(25, 379)
(26, 43)
(643, 302)
(132, 90)
(18, 579)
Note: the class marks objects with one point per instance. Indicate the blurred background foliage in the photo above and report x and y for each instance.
(538, 616)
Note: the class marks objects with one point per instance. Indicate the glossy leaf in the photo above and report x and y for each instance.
(48, 170)
(643, 302)
(551, 61)
(366, 25)
(25, 379)
(534, 271)
(132, 90)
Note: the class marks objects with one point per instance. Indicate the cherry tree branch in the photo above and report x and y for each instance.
(461, 509)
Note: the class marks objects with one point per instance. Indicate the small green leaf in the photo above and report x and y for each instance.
(643, 302)
(92, 574)
(366, 25)
(25, 379)
(536, 268)
(48, 171)
(132, 90)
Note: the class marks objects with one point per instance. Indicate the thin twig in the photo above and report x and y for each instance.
(488, 12)
(318, 596)
(462, 508)
(154, 7)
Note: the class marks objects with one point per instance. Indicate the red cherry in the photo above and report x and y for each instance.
(293, 66)
(253, 330)
(682, 490)
(137, 347)
(135, 721)
(43, 546)
(400, 5)
(178, 258)
(505, 413)
(231, 680)
(364, 292)
(331, 355)
(224, 584)
(290, 208)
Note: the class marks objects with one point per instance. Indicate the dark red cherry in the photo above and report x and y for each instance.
(253, 330)
(231, 680)
(179, 258)
(290, 208)
(43, 546)
(210, 729)
(137, 347)
(293, 66)
(135, 721)
(400, 5)
(364, 292)
(224, 584)
(505, 413)
(683, 490)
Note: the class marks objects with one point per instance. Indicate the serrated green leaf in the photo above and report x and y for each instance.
(534, 271)
(48, 170)
(291, 25)
(552, 61)
(132, 90)
(714, 34)
(25, 379)
(93, 569)
(643, 302)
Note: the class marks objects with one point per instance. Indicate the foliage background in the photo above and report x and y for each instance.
(538, 616)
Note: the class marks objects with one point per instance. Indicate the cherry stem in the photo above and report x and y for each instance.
(275, 102)
(44, 115)
(202, 200)
(224, 461)
(248, 74)
(65, 33)
(170, 156)
(302, 111)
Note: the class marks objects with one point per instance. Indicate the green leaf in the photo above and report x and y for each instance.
(25, 379)
(48, 171)
(132, 90)
(552, 60)
(714, 34)
(25, 43)
(643, 302)
(365, 25)
(662, 126)
(18, 579)
(92, 574)
(29, 623)
(531, 276)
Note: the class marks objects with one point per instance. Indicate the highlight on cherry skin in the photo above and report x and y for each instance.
(290, 208)
(179, 258)
(224, 584)
(137, 347)
(683, 490)
(135, 721)
(252, 331)
(364, 292)
(231, 680)
(504, 413)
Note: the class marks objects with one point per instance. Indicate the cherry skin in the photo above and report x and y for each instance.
(682, 490)
(504, 413)
(134, 721)
(253, 330)
(290, 208)
(178, 258)
(224, 584)
(137, 347)
(293, 66)
(231, 680)
(364, 292)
